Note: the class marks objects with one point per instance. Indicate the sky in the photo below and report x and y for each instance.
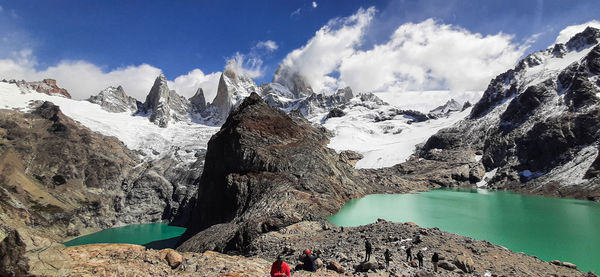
(388, 46)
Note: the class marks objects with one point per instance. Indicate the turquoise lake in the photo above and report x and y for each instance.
(550, 228)
(153, 235)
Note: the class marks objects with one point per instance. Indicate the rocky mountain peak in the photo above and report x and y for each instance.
(231, 91)
(197, 102)
(164, 104)
(292, 80)
(444, 110)
(114, 99)
(588, 37)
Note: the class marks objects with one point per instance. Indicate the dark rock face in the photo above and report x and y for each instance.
(12, 256)
(265, 170)
(538, 130)
(198, 102)
(335, 112)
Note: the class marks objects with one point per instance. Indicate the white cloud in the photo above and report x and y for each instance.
(569, 31)
(247, 65)
(296, 12)
(314, 4)
(430, 55)
(269, 45)
(423, 56)
(188, 84)
(331, 44)
(83, 79)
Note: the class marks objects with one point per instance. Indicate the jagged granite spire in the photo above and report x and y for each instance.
(197, 102)
(164, 104)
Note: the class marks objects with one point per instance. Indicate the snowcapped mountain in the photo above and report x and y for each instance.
(232, 90)
(114, 99)
(537, 126)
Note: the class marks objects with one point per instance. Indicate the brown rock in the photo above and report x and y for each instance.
(555, 262)
(413, 263)
(569, 265)
(173, 258)
(12, 255)
(465, 263)
(335, 266)
(411, 223)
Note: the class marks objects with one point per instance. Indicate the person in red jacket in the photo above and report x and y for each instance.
(280, 268)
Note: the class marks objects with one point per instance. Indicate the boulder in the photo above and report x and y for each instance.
(569, 265)
(446, 265)
(335, 266)
(413, 263)
(424, 274)
(366, 266)
(173, 258)
(464, 263)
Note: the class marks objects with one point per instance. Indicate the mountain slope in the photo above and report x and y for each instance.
(537, 126)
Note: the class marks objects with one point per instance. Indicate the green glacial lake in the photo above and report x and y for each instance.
(153, 235)
(550, 228)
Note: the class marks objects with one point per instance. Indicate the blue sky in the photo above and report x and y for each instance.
(179, 36)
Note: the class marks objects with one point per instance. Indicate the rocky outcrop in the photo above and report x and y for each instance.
(66, 180)
(265, 170)
(537, 124)
(46, 86)
(114, 99)
(164, 104)
(12, 255)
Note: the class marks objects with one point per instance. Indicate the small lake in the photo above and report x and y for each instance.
(152, 235)
(550, 228)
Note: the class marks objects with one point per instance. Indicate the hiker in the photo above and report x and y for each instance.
(435, 259)
(309, 261)
(280, 268)
(420, 257)
(368, 250)
(388, 257)
(408, 254)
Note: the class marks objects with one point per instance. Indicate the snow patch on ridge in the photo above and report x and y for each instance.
(182, 138)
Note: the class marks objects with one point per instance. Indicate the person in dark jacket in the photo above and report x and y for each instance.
(420, 257)
(309, 261)
(388, 257)
(409, 256)
(368, 250)
(280, 268)
(435, 259)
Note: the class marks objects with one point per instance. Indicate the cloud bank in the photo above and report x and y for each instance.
(420, 56)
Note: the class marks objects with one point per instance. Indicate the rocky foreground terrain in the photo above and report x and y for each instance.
(341, 251)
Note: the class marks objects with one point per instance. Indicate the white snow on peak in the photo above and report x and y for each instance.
(182, 138)
(551, 66)
(383, 143)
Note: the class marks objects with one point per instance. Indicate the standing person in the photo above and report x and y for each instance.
(368, 250)
(435, 259)
(280, 268)
(388, 257)
(420, 257)
(309, 261)
(409, 254)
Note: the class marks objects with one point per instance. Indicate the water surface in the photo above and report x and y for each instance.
(153, 235)
(550, 228)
